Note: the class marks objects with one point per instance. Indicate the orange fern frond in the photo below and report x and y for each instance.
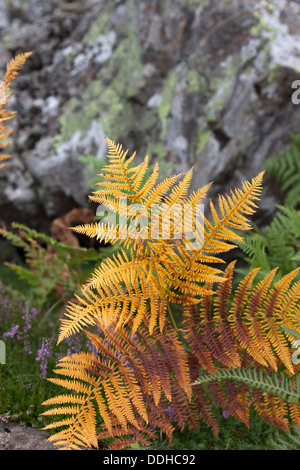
(172, 337)
(113, 382)
(12, 71)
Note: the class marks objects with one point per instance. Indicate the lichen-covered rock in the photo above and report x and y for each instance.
(14, 436)
(191, 82)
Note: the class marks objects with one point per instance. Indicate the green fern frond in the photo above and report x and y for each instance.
(277, 246)
(286, 169)
(280, 385)
(286, 440)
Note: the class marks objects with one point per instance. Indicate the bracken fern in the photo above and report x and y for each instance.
(149, 367)
(153, 370)
(12, 71)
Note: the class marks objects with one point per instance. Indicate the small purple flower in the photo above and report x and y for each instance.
(34, 312)
(12, 332)
(92, 348)
(43, 354)
(169, 410)
(225, 414)
(26, 317)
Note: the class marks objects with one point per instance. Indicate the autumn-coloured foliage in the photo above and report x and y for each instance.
(173, 339)
(12, 71)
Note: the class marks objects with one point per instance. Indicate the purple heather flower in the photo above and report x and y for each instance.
(225, 414)
(27, 347)
(34, 312)
(92, 348)
(26, 318)
(12, 332)
(170, 413)
(43, 354)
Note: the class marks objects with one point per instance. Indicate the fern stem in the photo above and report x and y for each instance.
(168, 305)
(171, 316)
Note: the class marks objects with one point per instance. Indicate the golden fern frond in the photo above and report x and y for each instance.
(107, 232)
(14, 66)
(198, 196)
(132, 376)
(111, 387)
(116, 292)
(179, 192)
(162, 268)
(158, 356)
(212, 240)
(123, 179)
(79, 430)
(250, 320)
(144, 367)
(256, 318)
(233, 209)
(144, 436)
(222, 299)
(12, 71)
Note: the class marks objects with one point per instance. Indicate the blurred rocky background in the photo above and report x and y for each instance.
(190, 82)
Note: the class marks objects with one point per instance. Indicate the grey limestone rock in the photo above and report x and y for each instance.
(198, 83)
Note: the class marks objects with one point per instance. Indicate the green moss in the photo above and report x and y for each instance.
(167, 94)
(212, 108)
(164, 127)
(70, 121)
(7, 40)
(203, 137)
(194, 3)
(17, 3)
(218, 103)
(101, 26)
(118, 116)
(71, 55)
(109, 101)
(272, 74)
(158, 152)
(193, 81)
(126, 61)
(261, 25)
(268, 5)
